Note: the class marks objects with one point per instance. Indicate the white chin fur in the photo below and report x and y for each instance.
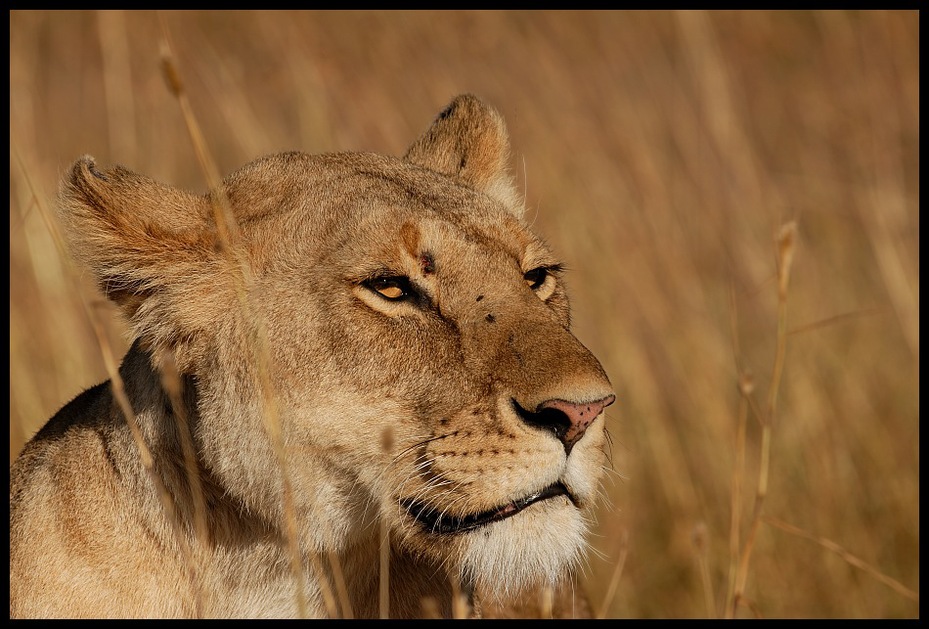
(534, 547)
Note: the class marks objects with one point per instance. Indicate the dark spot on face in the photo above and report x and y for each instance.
(490, 318)
(427, 263)
(443, 421)
(479, 297)
(463, 163)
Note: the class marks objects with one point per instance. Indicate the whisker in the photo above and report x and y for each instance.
(423, 442)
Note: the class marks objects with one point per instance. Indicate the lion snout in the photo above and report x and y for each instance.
(568, 421)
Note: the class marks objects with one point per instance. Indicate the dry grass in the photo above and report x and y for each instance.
(660, 153)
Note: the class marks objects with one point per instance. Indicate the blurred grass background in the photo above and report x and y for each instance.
(659, 153)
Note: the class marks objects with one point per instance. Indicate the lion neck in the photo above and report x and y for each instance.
(417, 586)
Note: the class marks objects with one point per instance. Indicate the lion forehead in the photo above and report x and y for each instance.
(364, 210)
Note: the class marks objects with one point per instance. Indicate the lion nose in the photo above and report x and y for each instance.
(568, 420)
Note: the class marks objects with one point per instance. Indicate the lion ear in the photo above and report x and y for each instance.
(150, 247)
(469, 140)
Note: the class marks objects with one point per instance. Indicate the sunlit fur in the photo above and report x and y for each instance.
(323, 410)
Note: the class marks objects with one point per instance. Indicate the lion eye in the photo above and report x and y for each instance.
(536, 277)
(392, 288)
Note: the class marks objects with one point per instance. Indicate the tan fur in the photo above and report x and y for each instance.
(381, 402)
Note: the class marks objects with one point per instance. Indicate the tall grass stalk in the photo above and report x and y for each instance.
(546, 601)
(614, 578)
(786, 243)
(230, 244)
(384, 571)
(746, 385)
(173, 386)
(699, 540)
(345, 603)
(119, 393)
(738, 472)
(828, 544)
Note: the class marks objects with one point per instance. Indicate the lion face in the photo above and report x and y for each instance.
(443, 324)
(418, 333)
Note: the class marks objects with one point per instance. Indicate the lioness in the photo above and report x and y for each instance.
(418, 364)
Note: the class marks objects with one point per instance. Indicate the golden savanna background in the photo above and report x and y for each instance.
(736, 198)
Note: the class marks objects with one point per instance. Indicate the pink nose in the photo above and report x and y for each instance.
(579, 417)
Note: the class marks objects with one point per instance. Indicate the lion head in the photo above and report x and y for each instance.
(415, 350)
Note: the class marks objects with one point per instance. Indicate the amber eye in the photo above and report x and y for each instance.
(536, 277)
(392, 288)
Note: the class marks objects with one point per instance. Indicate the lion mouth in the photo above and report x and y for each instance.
(437, 522)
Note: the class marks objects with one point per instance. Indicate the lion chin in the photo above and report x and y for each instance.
(536, 547)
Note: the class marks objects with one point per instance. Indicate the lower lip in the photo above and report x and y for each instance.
(433, 523)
